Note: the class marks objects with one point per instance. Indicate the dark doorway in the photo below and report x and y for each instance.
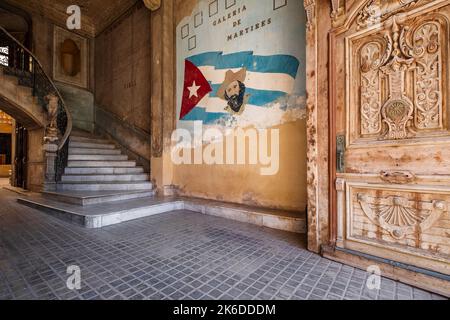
(5, 149)
(21, 159)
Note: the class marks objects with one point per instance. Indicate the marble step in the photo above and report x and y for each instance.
(88, 140)
(110, 170)
(77, 144)
(105, 186)
(98, 157)
(105, 177)
(81, 133)
(88, 198)
(73, 151)
(102, 215)
(100, 164)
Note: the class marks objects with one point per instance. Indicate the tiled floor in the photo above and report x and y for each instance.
(180, 255)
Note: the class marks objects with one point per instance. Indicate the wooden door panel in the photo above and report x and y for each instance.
(408, 220)
(426, 159)
(393, 193)
(398, 80)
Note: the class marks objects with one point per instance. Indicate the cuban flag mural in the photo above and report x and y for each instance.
(220, 84)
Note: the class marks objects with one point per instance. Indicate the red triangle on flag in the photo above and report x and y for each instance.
(195, 88)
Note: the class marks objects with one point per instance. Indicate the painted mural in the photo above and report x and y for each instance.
(241, 63)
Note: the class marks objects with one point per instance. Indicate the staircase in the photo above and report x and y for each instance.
(95, 164)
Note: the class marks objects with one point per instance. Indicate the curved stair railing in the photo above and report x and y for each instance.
(22, 63)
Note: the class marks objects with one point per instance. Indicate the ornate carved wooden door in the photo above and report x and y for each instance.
(391, 69)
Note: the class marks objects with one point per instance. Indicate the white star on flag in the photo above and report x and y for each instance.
(193, 90)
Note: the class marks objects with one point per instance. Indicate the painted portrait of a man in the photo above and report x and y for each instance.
(233, 91)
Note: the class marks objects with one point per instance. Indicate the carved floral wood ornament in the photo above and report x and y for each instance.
(401, 82)
(310, 9)
(377, 10)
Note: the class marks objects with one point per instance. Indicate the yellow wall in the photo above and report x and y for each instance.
(245, 184)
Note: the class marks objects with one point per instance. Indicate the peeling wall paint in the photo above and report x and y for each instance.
(284, 36)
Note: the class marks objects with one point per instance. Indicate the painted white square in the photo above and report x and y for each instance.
(277, 4)
(184, 31)
(198, 19)
(214, 8)
(192, 43)
(229, 3)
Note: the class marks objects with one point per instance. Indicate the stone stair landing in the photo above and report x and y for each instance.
(98, 214)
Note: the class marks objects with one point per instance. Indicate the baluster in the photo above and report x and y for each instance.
(16, 57)
(34, 78)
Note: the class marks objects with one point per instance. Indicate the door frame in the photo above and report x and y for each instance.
(320, 155)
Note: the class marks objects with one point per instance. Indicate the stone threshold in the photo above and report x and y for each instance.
(393, 271)
(107, 214)
(17, 190)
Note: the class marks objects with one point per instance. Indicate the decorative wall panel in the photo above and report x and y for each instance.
(71, 58)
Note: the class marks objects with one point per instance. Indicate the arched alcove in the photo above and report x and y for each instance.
(70, 58)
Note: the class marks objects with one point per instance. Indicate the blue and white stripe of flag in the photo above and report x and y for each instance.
(268, 79)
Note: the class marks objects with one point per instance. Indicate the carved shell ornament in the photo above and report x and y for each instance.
(400, 216)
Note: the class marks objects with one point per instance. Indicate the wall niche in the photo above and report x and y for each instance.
(70, 58)
(70, 63)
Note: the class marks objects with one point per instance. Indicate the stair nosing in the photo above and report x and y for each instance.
(90, 148)
(96, 168)
(105, 182)
(106, 174)
(102, 161)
